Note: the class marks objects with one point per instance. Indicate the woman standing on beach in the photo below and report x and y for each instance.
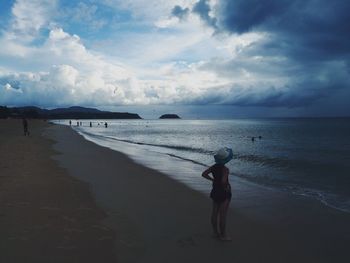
(221, 192)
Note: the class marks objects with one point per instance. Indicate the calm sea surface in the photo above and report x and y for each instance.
(309, 157)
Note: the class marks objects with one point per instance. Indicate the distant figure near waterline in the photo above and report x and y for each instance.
(221, 192)
(77, 123)
(25, 127)
(90, 124)
(260, 137)
(253, 139)
(106, 125)
(70, 123)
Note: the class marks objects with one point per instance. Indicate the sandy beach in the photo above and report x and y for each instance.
(65, 199)
(45, 214)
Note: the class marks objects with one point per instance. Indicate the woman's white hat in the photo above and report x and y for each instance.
(223, 155)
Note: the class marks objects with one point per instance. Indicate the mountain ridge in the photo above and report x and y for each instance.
(73, 112)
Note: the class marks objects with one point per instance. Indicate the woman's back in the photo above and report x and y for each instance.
(218, 173)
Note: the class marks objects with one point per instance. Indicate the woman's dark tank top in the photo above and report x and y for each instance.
(218, 172)
(220, 191)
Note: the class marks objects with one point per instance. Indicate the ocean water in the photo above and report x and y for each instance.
(309, 157)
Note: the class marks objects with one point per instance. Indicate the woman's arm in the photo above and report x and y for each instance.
(206, 175)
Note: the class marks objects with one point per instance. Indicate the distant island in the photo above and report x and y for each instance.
(169, 116)
(74, 112)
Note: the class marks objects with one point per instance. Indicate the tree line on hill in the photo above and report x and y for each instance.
(75, 112)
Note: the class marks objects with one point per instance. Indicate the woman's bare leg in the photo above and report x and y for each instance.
(223, 214)
(214, 219)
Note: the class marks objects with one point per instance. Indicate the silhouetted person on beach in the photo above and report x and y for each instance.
(77, 123)
(106, 125)
(25, 127)
(90, 124)
(221, 192)
(253, 139)
(70, 123)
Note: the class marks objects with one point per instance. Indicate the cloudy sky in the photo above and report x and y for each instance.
(198, 58)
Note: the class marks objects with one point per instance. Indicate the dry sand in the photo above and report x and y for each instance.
(153, 218)
(45, 214)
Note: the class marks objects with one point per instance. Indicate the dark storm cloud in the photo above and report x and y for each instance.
(241, 16)
(304, 30)
(309, 38)
(296, 93)
(202, 8)
(180, 12)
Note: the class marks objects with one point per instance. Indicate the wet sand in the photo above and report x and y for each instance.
(141, 214)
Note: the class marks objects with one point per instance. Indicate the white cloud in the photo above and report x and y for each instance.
(85, 14)
(174, 62)
(149, 10)
(29, 17)
(68, 73)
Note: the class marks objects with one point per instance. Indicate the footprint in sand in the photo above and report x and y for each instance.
(66, 247)
(70, 230)
(105, 238)
(49, 208)
(70, 219)
(186, 242)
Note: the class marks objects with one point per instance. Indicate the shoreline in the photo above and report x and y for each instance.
(274, 227)
(185, 168)
(188, 172)
(149, 216)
